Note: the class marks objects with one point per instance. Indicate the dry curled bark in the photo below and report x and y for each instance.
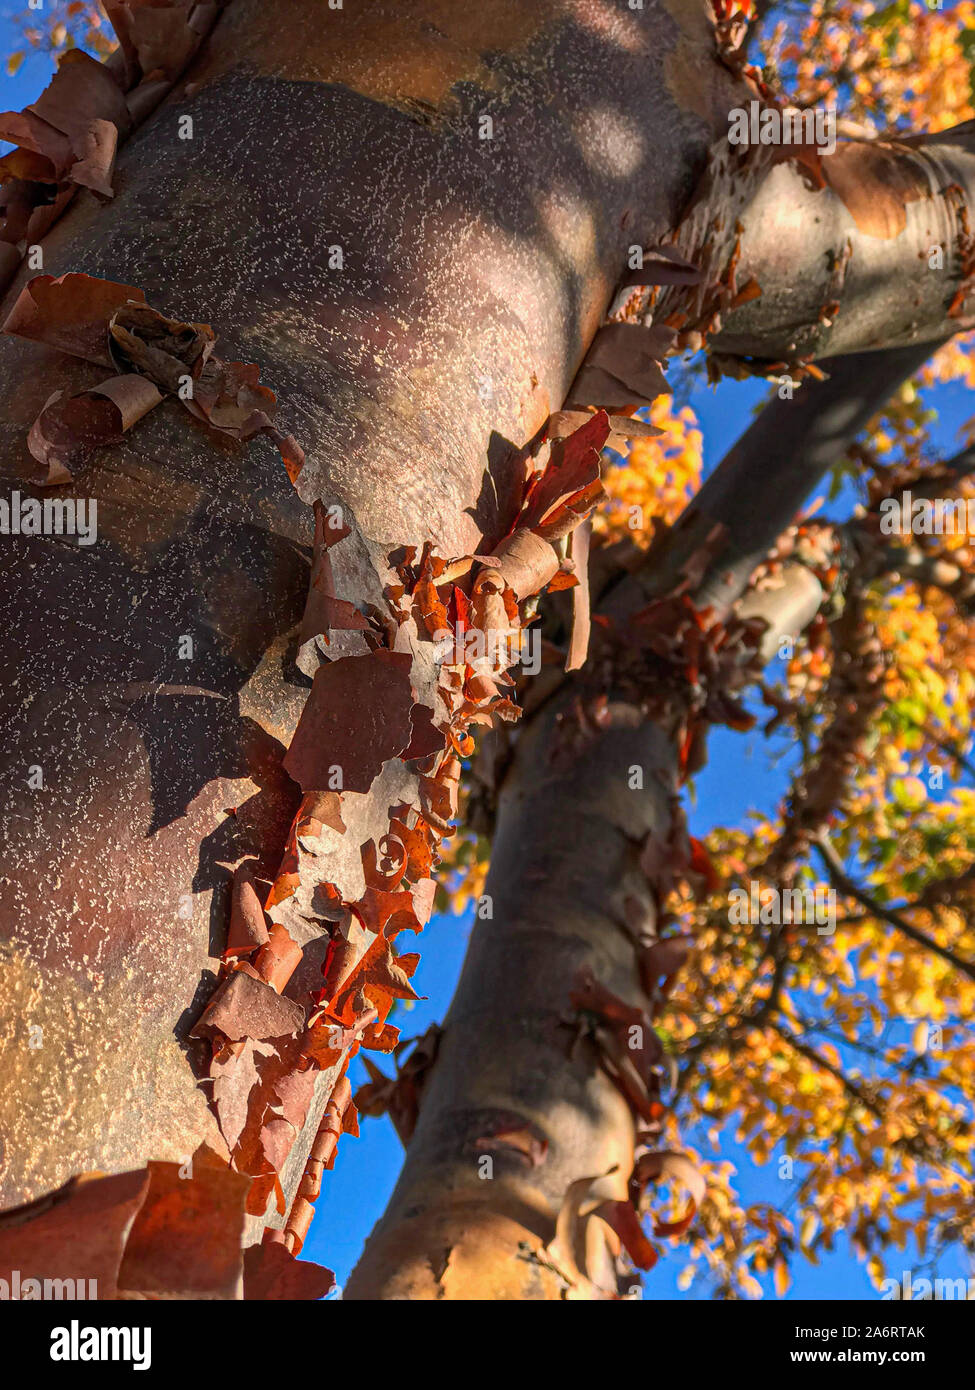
(413, 376)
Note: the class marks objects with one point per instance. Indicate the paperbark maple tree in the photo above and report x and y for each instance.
(420, 226)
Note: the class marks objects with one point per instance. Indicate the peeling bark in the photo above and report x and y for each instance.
(420, 298)
(465, 262)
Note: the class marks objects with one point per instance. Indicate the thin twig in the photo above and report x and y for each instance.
(844, 884)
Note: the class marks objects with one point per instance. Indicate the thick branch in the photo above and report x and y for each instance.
(760, 485)
(874, 259)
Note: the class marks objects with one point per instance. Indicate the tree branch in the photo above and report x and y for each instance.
(874, 259)
(824, 1064)
(762, 482)
(844, 884)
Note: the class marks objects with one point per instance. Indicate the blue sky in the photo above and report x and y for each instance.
(739, 777)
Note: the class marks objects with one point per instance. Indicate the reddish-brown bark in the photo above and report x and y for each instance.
(414, 368)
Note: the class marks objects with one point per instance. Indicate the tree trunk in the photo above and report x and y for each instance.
(413, 217)
(473, 273)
